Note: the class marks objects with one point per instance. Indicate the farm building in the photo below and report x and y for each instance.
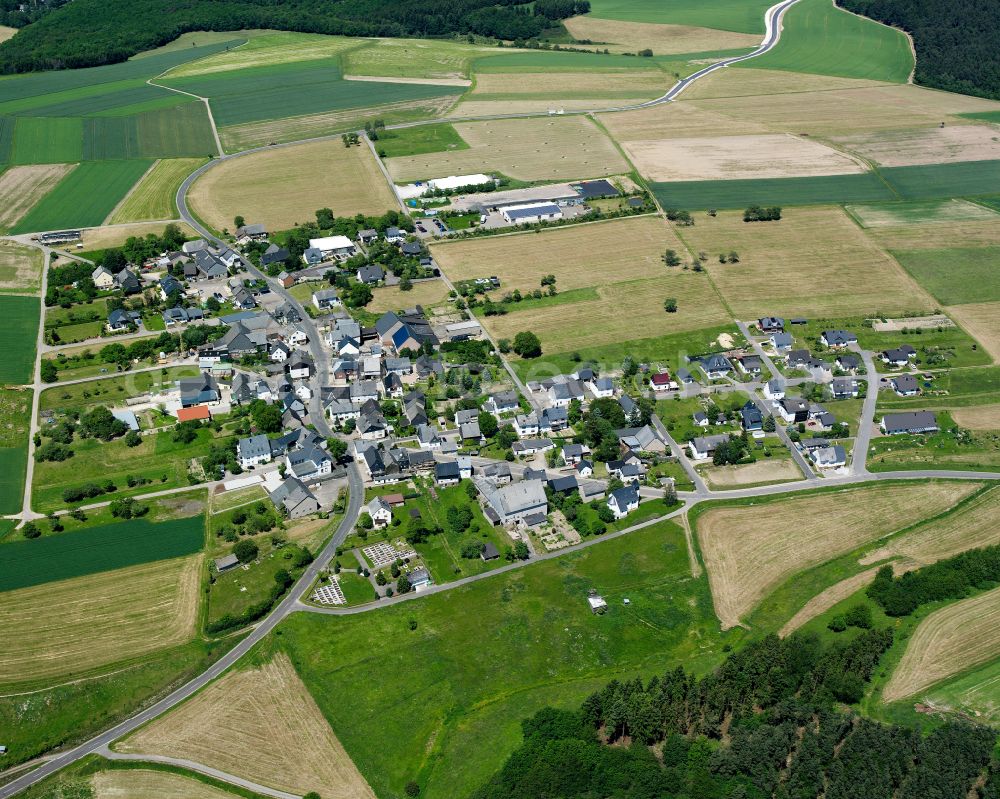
(531, 213)
(225, 563)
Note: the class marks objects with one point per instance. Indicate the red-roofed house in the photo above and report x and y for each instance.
(661, 381)
(194, 413)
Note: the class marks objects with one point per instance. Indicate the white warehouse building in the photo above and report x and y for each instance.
(334, 246)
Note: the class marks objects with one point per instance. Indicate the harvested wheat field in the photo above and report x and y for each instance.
(264, 710)
(20, 268)
(825, 600)
(426, 293)
(765, 82)
(828, 266)
(931, 145)
(952, 639)
(99, 238)
(978, 417)
(661, 39)
(776, 155)
(595, 254)
(750, 550)
(284, 186)
(561, 148)
(974, 524)
(149, 784)
(71, 626)
(677, 120)
(767, 470)
(23, 186)
(980, 320)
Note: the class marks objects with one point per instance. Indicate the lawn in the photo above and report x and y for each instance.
(357, 588)
(153, 196)
(955, 275)
(727, 15)
(18, 336)
(116, 545)
(15, 407)
(57, 316)
(419, 140)
(111, 391)
(85, 197)
(79, 331)
(236, 590)
(953, 388)
(414, 704)
(819, 37)
(740, 193)
(977, 451)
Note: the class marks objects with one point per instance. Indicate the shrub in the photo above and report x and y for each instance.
(246, 551)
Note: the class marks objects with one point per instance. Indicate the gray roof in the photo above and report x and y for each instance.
(258, 446)
(910, 421)
(905, 383)
(624, 496)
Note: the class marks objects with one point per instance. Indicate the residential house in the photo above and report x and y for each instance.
(497, 473)
(200, 390)
(254, 451)
(447, 474)
(625, 471)
(602, 387)
(623, 501)
(279, 351)
(470, 432)
(898, 357)
(563, 391)
(751, 419)
(700, 418)
(750, 364)
(685, 377)
(798, 359)
(294, 499)
(781, 341)
(909, 422)
(427, 437)
(821, 417)
(661, 381)
(584, 468)
(411, 248)
(641, 439)
(553, 420)
(716, 366)
(119, 321)
(703, 447)
(419, 578)
(771, 324)
(363, 391)
(526, 425)
(774, 390)
(464, 467)
(127, 282)
(103, 278)
(371, 423)
(300, 367)
(367, 236)
(502, 403)
(848, 362)
(338, 247)
(309, 462)
(380, 512)
(209, 266)
(793, 409)
(278, 255)
(844, 388)
(243, 300)
(531, 446)
(572, 454)
(313, 256)
(837, 338)
(905, 385)
(407, 331)
(515, 501)
(371, 274)
(247, 233)
(564, 484)
(831, 457)
(394, 235)
(325, 299)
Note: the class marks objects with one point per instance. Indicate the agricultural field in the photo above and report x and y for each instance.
(24, 186)
(959, 179)
(726, 15)
(919, 212)
(100, 238)
(822, 38)
(521, 149)
(487, 657)
(955, 275)
(153, 196)
(953, 639)
(930, 145)
(415, 58)
(623, 35)
(982, 321)
(750, 157)
(39, 140)
(829, 267)
(972, 694)
(18, 336)
(515, 90)
(425, 293)
(766, 82)
(102, 547)
(264, 709)
(15, 407)
(84, 197)
(980, 417)
(76, 625)
(20, 268)
(744, 569)
(822, 190)
(150, 784)
(284, 186)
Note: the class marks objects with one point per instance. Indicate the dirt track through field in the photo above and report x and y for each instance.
(750, 550)
(260, 724)
(952, 639)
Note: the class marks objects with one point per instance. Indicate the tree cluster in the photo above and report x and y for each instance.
(756, 213)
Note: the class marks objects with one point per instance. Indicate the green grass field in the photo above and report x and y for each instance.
(742, 16)
(954, 388)
(821, 38)
(15, 406)
(84, 197)
(44, 140)
(486, 655)
(704, 194)
(97, 549)
(977, 452)
(919, 212)
(357, 589)
(420, 140)
(955, 275)
(960, 179)
(153, 197)
(294, 89)
(57, 316)
(18, 335)
(167, 133)
(110, 390)
(561, 61)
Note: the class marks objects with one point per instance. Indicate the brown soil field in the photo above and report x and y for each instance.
(149, 784)
(266, 711)
(256, 134)
(620, 36)
(678, 120)
(825, 600)
(520, 148)
(20, 268)
(23, 186)
(426, 293)
(968, 527)
(286, 185)
(570, 85)
(980, 417)
(750, 550)
(71, 626)
(981, 320)
(950, 640)
(766, 470)
(762, 82)
(99, 238)
(776, 155)
(814, 261)
(579, 256)
(931, 145)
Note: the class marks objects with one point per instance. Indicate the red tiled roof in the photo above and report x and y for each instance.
(191, 414)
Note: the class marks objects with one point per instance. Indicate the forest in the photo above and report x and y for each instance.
(87, 33)
(767, 723)
(957, 43)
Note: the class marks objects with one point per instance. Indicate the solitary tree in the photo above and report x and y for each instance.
(245, 551)
(239, 221)
(670, 305)
(527, 344)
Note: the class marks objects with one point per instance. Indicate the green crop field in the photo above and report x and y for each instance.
(960, 179)
(704, 194)
(284, 90)
(6, 138)
(44, 140)
(97, 549)
(18, 335)
(823, 39)
(561, 61)
(742, 16)
(183, 130)
(153, 196)
(84, 197)
(484, 656)
(955, 275)
(419, 140)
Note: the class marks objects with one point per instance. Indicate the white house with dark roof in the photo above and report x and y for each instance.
(909, 422)
(623, 501)
(837, 338)
(905, 385)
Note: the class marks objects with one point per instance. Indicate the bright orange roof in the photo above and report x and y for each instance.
(190, 414)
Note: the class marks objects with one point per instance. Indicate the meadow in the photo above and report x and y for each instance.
(265, 708)
(24, 186)
(18, 335)
(15, 407)
(414, 58)
(426, 293)
(153, 197)
(955, 275)
(85, 197)
(96, 549)
(111, 391)
(20, 267)
(419, 140)
(820, 37)
(76, 625)
(972, 693)
(726, 15)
